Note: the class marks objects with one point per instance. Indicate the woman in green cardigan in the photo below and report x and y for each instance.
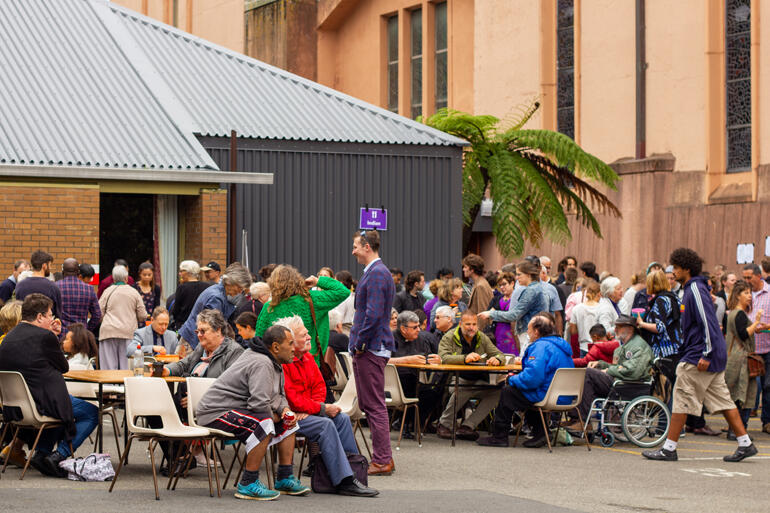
(290, 295)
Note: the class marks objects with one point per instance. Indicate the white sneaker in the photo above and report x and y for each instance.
(200, 458)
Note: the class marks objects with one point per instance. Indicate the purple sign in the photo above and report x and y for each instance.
(374, 219)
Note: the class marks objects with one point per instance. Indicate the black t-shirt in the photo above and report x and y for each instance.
(186, 295)
(403, 348)
(742, 323)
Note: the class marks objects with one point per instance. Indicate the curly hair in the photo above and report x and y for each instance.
(285, 281)
(686, 258)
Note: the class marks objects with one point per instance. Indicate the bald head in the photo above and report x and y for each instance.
(70, 267)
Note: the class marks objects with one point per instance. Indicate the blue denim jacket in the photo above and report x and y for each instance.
(532, 301)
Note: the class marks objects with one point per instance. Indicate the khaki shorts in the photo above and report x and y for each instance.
(695, 389)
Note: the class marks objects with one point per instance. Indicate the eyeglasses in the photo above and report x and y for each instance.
(415, 327)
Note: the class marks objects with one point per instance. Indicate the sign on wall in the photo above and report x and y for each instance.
(373, 219)
(767, 246)
(745, 254)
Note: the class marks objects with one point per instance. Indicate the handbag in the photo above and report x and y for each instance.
(94, 467)
(756, 365)
(322, 483)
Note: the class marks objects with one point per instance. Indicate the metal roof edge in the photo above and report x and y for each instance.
(250, 61)
(145, 175)
(154, 82)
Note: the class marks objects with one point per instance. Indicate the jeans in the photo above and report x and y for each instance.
(335, 436)
(86, 418)
(765, 384)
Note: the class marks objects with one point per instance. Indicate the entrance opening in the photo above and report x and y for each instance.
(125, 230)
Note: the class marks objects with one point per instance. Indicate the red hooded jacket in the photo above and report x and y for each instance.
(304, 385)
(602, 350)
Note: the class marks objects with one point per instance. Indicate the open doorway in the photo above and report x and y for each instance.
(125, 230)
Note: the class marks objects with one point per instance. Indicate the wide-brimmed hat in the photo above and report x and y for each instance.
(625, 320)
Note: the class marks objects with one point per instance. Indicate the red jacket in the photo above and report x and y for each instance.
(304, 385)
(602, 350)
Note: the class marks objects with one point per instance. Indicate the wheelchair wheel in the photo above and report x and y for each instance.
(646, 421)
(606, 438)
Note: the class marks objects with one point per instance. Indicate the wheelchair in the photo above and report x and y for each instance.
(631, 413)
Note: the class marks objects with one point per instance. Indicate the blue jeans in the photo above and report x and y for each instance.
(86, 417)
(335, 436)
(765, 383)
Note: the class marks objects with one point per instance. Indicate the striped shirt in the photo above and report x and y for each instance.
(761, 301)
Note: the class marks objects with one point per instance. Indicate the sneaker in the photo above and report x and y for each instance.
(661, 455)
(291, 486)
(256, 491)
(741, 453)
(200, 459)
(493, 441)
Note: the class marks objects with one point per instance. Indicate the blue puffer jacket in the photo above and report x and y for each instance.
(539, 363)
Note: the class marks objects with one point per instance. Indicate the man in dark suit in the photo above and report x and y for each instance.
(32, 349)
(371, 344)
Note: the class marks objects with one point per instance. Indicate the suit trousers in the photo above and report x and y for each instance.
(369, 371)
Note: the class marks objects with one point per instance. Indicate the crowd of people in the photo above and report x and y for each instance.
(273, 339)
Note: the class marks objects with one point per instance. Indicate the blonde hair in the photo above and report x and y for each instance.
(10, 316)
(285, 282)
(656, 282)
(445, 291)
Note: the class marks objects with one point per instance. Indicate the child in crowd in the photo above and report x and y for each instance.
(80, 345)
(599, 349)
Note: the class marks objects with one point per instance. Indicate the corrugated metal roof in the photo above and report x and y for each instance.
(69, 95)
(89, 83)
(223, 90)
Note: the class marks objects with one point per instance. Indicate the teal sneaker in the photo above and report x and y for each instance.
(291, 486)
(256, 491)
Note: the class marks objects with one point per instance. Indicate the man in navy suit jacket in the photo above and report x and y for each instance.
(371, 344)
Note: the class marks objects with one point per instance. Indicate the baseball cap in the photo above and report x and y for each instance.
(211, 266)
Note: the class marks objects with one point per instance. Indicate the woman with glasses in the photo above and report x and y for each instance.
(122, 309)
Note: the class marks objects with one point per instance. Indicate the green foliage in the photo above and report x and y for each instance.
(534, 178)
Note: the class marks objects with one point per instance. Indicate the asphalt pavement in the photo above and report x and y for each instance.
(465, 478)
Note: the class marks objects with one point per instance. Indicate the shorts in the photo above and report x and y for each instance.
(695, 389)
(251, 428)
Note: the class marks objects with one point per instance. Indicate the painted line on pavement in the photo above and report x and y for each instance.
(718, 458)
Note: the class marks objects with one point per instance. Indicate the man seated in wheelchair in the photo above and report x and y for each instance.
(631, 361)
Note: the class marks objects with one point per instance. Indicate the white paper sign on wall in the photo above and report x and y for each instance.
(745, 254)
(767, 246)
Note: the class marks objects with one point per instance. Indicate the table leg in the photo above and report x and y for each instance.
(125, 433)
(454, 407)
(100, 429)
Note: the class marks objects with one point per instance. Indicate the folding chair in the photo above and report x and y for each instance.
(398, 401)
(15, 393)
(148, 397)
(565, 383)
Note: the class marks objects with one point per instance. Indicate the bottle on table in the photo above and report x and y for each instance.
(138, 363)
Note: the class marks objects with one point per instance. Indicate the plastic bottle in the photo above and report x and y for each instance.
(138, 363)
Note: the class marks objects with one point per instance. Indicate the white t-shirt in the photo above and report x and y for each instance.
(585, 316)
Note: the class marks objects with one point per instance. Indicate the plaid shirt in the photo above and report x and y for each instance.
(78, 300)
(761, 301)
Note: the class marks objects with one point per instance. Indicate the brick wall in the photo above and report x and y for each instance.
(206, 226)
(64, 221)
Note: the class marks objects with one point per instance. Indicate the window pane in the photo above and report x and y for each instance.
(738, 16)
(565, 80)
(739, 102)
(739, 149)
(738, 86)
(393, 38)
(416, 26)
(441, 80)
(566, 121)
(566, 13)
(738, 57)
(416, 86)
(441, 28)
(393, 87)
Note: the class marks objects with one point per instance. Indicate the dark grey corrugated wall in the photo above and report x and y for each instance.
(307, 217)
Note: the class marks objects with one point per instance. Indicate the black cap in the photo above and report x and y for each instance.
(211, 266)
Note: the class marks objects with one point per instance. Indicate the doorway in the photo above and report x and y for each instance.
(125, 230)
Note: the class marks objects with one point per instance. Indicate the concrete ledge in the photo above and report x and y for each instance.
(663, 162)
(731, 193)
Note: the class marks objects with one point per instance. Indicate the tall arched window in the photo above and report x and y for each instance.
(565, 70)
(738, 77)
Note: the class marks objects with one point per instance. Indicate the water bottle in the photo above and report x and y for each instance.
(138, 363)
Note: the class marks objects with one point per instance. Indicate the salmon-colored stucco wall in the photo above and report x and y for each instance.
(219, 21)
(607, 123)
(507, 57)
(676, 81)
(764, 84)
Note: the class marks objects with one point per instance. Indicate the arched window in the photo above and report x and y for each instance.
(565, 68)
(738, 86)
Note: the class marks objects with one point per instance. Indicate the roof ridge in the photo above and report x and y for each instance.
(286, 75)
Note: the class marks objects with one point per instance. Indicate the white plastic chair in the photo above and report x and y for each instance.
(348, 403)
(398, 401)
(151, 397)
(15, 393)
(565, 383)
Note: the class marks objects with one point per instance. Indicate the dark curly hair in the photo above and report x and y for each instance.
(686, 258)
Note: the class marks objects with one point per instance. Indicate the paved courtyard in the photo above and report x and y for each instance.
(462, 479)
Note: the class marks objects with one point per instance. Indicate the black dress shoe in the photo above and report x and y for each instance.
(37, 461)
(308, 471)
(356, 489)
(741, 453)
(661, 455)
(407, 435)
(52, 463)
(493, 441)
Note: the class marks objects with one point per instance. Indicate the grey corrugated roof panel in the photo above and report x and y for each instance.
(69, 94)
(223, 90)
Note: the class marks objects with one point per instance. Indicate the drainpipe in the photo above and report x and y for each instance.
(641, 88)
(231, 196)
